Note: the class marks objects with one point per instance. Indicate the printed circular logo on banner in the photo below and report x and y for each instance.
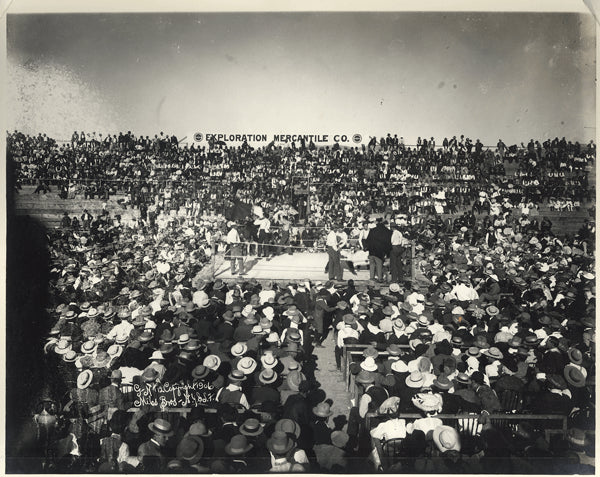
(198, 137)
(357, 138)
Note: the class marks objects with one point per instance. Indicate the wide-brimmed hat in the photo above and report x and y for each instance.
(89, 347)
(69, 315)
(288, 426)
(267, 376)
(398, 324)
(365, 377)
(161, 426)
(239, 349)
(62, 347)
(481, 342)
(192, 345)
(251, 427)
(199, 429)
(446, 438)
(474, 351)
(268, 312)
(575, 356)
(493, 353)
(238, 445)
(212, 361)
(349, 319)
(394, 349)
(442, 382)
(150, 375)
(339, 439)
(70, 356)
(200, 372)
(146, 336)
(492, 310)
(280, 443)
(183, 339)
(515, 342)
(422, 320)
(463, 378)
(532, 340)
(190, 449)
(574, 376)
(428, 402)
(116, 374)
(322, 409)
(268, 360)
(247, 365)
(577, 437)
(236, 376)
(415, 380)
(156, 356)
(369, 364)
(92, 313)
(399, 366)
(293, 379)
(293, 335)
(84, 379)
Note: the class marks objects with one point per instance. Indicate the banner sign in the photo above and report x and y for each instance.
(181, 394)
(317, 138)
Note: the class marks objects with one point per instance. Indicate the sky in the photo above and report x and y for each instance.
(487, 75)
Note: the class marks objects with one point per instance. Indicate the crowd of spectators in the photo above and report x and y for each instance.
(500, 317)
(287, 180)
(483, 320)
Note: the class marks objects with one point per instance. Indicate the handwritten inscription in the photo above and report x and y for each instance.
(182, 394)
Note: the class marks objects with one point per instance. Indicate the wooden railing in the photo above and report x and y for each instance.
(466, 425)
(349, 352)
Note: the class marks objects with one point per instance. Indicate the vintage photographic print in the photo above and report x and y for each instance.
(300, 241)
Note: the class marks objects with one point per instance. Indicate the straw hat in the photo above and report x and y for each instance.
(268, 360)
(280, 443)
(247, 365)
(199, 429)
(493, 353)
(251, 427)
(574, 376)
(200, 371)
(446, 438)
(428, 402)
(160, 426)
(293, 379)
(415, 380)
(369, 364)
(236, 376)
(84, 379)
(365, 377)
(212, 361)
(288, 426)
(239, 349)
(62, 347)
(267, 376)
(399, 366)
(190, 449)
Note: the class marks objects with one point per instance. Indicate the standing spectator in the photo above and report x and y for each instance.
(379, 246)
(333, 251)
(235, 249)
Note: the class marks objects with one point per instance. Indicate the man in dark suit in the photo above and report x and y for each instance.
(111, 395)
(151, 452)
(379, 245)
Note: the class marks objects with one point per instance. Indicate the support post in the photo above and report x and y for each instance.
(412, 261)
